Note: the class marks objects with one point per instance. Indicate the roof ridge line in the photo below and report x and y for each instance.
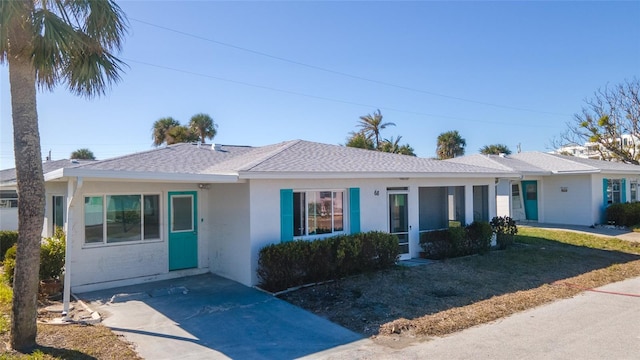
(284, 146)
(564, 157)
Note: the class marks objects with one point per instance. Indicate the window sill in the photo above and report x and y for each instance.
(124, 243)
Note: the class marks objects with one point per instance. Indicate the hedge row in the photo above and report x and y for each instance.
(627, 214)
(295, 263)
(7, 240)
(456, 241)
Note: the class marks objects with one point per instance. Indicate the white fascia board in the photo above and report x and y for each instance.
(369, 175)
(150, 176)
(577, 172)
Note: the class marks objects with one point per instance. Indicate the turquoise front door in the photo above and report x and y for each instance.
(183, 230)
(530, 189)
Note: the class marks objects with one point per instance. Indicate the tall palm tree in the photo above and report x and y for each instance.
(83, 154)
(371, 124)
(203, 125)
(359, 140)
(46, 43)
(450, 145)
(180, 134)
(160, 129)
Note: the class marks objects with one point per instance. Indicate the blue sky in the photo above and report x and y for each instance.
(498, 72)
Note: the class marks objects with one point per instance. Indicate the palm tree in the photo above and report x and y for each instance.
(393, 146)
(83, 154)
(371, 124)
(203, 125)
(495, 149)
(160, 129)
(46, 43)
(180, 134)
(450, 145)
(359, 140)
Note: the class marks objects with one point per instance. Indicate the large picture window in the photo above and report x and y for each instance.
(317, 212)
(121, 218)
(613, 191)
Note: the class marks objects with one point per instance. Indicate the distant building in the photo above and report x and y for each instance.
(595, 151)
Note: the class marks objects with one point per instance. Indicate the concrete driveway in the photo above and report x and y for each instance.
(209, 317)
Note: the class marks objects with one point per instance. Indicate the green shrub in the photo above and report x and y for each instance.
(52, 256)
(9, 263)
(459, 241)
(505, 229)
(294, 263)
(7, 240)
(480, 233)
(436, 244)
(627, 214)
(52, 251)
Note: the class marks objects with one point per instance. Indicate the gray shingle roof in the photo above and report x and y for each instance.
(286, 159)
(544, 163)
(8, 176)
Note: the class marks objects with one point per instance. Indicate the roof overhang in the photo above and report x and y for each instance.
(371, 175)
(136, 176)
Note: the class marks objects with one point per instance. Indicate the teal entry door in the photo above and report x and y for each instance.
(530, 190)
(183, 230)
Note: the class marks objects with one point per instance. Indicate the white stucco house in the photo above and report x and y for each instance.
(187, 209)
(558, 189)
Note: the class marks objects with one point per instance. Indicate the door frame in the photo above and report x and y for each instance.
(407, 255)
(182, 257)
(530, 205)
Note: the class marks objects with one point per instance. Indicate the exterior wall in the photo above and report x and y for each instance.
(503, 198)
(101, 266)
(265, 206)
(9, 219)
(572, 206)
(230, 235)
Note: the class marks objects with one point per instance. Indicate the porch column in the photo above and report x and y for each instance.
(468, 204)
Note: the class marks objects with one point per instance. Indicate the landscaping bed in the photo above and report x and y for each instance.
(449, 295)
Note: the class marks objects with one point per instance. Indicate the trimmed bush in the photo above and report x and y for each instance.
(505, 229)
(285, 265)
(9, 263)
(7, 240)
(456, 241)
(627, 214)
(52, 252)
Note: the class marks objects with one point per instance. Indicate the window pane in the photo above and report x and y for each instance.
(182, 213)
(338, 222)
(93, 219)
(299, 216)
(151, 217)
(58, 206)
(124, 222)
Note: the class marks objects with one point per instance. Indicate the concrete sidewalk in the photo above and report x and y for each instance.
(592, 325)
(209, 317)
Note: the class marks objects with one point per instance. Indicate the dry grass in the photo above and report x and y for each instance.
(63, 341)
(451, 295)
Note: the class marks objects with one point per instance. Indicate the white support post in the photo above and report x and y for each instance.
(69, 225)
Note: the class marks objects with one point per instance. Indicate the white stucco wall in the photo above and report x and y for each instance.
(9, 218)
(570, 207)
(100, 266)
(265, 206)
(503, 198)
(230, 235)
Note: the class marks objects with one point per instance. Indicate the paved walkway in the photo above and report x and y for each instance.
(209, 317)
(592, 325)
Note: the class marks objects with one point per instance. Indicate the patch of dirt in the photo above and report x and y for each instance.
(403, 305)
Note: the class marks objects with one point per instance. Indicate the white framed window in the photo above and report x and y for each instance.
(8, 199)
(633, 190)
(318, 212)
(110, 219)
(614, 191)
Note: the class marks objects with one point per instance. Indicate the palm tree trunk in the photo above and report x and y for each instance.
(26, 140)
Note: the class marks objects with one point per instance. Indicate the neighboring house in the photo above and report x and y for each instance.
(595, 151)
(54, 204)
(187, 209)
(559, 189)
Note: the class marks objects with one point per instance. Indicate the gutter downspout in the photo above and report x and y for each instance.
(72, 190)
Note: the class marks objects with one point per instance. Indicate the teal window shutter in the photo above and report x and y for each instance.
(623, 191)
(286, 215)
(605, 184)
(354, 210)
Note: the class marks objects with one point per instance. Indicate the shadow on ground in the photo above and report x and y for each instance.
(363, 303)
